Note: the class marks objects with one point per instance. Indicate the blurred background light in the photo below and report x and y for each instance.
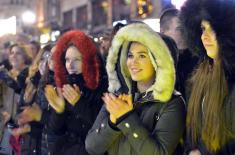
(153, 23)
(178, 3)
(8, 26)
(29, 17)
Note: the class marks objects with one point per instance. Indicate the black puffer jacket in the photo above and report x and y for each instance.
(75, 122)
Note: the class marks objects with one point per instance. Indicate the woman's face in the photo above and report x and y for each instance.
(139, 63)
(50, 60)
(17, 58)
(209, 40)
(73, 60)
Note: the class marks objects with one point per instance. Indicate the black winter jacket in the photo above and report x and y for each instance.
(76, 120)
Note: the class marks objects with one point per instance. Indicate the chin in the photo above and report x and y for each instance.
(135, 79)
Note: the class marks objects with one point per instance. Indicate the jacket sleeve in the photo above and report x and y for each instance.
(165, 136)
(101, 135)
(10, 82)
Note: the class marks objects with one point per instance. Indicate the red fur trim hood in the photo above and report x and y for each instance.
(90, 62)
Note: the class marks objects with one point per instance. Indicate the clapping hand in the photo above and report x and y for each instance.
(117, 106)
(21, 130)
(71, 93)
(29, 114)
(56, 101)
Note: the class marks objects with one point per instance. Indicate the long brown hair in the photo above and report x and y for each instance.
(206, 118)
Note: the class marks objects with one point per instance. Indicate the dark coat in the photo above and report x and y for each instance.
(185, 67)
(49, 138)
(75, 122)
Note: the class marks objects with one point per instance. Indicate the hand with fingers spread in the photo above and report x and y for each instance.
(56, 101)
(71, 93)
(29, 114)
(117, 106)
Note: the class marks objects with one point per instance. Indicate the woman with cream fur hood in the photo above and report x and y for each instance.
(141, 114)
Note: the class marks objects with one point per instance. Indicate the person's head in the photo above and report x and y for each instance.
(46, 61)
(76, 53)
(170, 25)
(139, 63)
(73, 60)
(51, 60)
(105, 43)
(139, 55)
(6, 50)
(210, 29)
(107, 38)
(18, 57)
(34, 47)
(209, 40)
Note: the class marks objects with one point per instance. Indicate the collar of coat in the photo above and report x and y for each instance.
(159, 54)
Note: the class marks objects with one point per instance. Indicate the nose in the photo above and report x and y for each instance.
(134, 60)
(205, 36)
(70, 64)
(13, 55)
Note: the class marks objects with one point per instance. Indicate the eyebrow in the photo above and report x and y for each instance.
(140, 52)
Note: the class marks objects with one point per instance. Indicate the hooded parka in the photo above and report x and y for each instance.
(156, 123)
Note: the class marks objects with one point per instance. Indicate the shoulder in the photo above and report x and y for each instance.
(176, 100)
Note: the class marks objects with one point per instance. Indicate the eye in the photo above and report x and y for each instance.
(77, 60)
(203, 28)
(130, 55)
(142, 56)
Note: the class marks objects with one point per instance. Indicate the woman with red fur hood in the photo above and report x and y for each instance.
(78, 97)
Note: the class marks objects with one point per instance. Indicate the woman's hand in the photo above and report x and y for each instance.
(117, 106)
(21, 130)
(71, 94)
(6, 116)
(56, 101)
(29, 114)
(195, 152)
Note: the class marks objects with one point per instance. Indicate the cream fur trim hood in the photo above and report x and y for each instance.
(159, 54)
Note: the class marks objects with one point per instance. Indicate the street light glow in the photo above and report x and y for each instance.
(29, 17)
(178, 3)
(8, 26)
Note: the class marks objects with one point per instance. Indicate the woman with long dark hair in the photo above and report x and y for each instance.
(210, 29)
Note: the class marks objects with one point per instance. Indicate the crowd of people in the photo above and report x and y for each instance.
(137, 92)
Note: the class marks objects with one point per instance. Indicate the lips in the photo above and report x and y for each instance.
(135, 70)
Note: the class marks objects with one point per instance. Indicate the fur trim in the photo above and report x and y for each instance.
(159, 54)
(90, 62)
(221, 15)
